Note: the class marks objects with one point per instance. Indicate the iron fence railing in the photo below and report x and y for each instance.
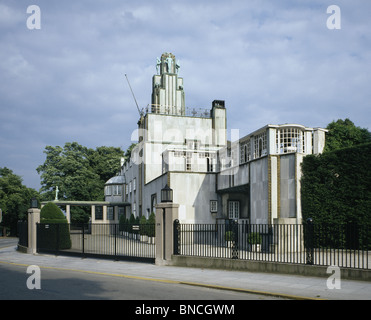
(22, 232)
(129, 242)
(344, 246)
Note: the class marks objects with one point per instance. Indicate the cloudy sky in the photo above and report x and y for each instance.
(273, 62)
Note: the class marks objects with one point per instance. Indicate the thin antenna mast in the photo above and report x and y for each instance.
(140, 112)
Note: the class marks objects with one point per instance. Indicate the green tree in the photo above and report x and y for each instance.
(15, 199)
(79, 172)
(105, 161)
(129, 150)
(344, 134)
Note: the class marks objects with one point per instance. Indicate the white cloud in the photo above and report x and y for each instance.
(271, 61)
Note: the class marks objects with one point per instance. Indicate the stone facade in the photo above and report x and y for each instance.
(255, 178)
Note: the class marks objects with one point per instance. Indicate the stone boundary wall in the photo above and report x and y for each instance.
(265, 266)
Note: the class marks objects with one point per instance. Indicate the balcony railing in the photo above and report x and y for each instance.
(177, 111)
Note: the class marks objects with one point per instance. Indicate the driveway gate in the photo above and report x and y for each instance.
(120, 242)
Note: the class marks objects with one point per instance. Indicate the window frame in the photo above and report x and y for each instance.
(235, 214)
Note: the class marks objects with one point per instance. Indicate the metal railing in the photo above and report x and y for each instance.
(121, 242)
(22, 232)
(344, 246)
(177, 111)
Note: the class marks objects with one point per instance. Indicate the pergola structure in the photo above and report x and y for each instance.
(92, 205)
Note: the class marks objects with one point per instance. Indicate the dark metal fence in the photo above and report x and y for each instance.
(121, 242)
(22, 232)
(341, 245)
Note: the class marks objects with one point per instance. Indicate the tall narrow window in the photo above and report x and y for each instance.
(110, 213)
(153, 202)
(189, 161)
(234, 209)
(213, 206)
(260, 145)
(98, 213)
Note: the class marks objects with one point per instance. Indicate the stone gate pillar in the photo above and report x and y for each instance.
(166, 213)
(33, 219)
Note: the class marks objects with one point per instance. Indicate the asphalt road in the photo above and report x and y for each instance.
(58, 284)
(8, 242)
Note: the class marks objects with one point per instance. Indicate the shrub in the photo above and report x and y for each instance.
(151, 225)
(123, 223)
(51, 211)
(254, 238)
(229, 236)
(132, 219)
(54, 233)
(143, 226)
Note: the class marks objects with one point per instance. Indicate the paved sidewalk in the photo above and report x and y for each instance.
(263, 283)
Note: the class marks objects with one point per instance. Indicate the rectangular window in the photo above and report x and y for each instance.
(290, 140)
(153, 202)
(242, 153)
(260, 145)
(213, 206)
(193, 144)
(231, 180)
(178, 154)
(121, 212)
(98, 213)
(245, 152)
(108, 191)
(233, 209)
(116, 190)
(110, 213)
(189, 161)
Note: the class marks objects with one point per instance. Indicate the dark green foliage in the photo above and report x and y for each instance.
(254, 238)
(336, 187)
(53, 229)
(344, 134)
(123, 223)
(51, 211)
(54, 235)
(15, 200)
(229, 236)
(79, 172)
(143, 226)
(151, 225)
(132, 219)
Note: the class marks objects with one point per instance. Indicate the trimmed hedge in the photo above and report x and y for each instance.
(336, 188)
(151, 225)
(51, 211)
(53, 232)
(143, 226)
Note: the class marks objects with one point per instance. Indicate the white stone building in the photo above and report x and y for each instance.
(255, 179)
